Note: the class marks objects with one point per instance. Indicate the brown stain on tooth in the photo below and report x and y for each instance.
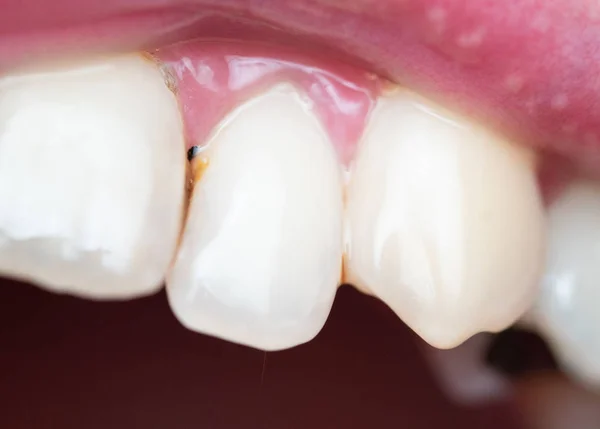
(199, 166)
(165, 71)
(198, 162)
(169, 79)
(194, 170)
(388, 87)
(189, 187)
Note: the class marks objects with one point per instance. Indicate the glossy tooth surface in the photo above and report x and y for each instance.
(445, 223)
(92, 175)
(261, 254)
(567, 308)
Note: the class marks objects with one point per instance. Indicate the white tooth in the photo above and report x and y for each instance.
(92, 175)
(261, 254)
(567, 309)
(445, 222)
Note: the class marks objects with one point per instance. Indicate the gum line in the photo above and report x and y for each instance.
(211, 78)
(526, 67)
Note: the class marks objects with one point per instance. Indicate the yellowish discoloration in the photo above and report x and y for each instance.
(199, 166)
(166, 73)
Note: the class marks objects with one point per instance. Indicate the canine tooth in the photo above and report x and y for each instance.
(261, 254)
(92, 177)
(445, 222)
(567, 308)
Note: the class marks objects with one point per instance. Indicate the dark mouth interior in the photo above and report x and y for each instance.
(71, 363)
(516, 352)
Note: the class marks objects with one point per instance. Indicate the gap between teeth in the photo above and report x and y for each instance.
(438, 217)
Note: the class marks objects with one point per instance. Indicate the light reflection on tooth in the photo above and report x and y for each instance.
(261, 253)
(445, 222)
(567, 309)
(92, 170)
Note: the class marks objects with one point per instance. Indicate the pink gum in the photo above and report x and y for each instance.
(526, 67)
(213, 77)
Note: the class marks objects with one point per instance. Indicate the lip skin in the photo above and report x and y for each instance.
(526, 67)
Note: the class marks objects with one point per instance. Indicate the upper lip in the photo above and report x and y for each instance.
(527, 67)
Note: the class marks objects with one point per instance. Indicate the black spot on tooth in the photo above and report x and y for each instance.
(515, 352)
(192, 152)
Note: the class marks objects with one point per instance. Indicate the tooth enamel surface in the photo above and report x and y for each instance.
(445, 223)
(92, 177)
(261, 254)
(567, 309)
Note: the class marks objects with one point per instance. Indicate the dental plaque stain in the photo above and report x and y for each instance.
(199, 166)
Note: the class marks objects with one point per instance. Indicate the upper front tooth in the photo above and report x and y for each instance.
(445, 222)
(261, 253)
(92, 175)
(567, 309)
